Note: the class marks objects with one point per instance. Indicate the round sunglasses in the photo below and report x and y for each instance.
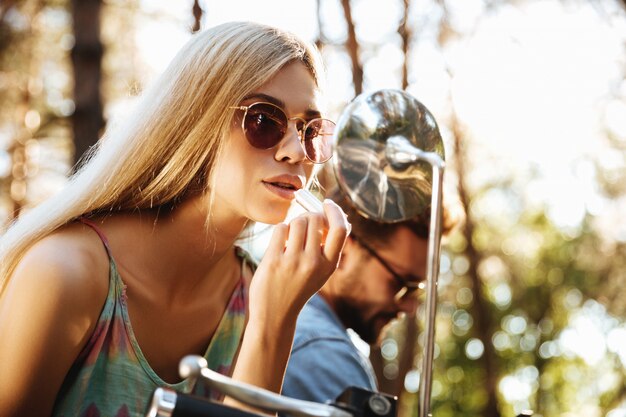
(265, 125)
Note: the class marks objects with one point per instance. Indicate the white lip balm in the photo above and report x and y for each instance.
(308, 201)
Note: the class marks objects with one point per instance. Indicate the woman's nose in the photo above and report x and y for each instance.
(290, 149)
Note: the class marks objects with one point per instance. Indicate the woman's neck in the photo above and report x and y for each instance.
(181, 247)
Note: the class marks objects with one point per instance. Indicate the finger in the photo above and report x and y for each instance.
(297, 235)
(338, 228)
(276, 245)
(316, 230)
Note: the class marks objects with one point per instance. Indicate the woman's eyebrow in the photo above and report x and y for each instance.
(265, 98)
(310, 113)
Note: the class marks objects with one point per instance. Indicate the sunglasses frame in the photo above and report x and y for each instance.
(407, 286)
(300, 131)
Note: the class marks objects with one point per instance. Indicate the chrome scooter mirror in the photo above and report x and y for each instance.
(383, 142)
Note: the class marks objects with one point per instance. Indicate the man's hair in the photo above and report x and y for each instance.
(378, 233)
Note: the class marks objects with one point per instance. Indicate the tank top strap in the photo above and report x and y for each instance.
(100, 233)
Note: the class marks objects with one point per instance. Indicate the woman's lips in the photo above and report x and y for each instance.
(282, 190)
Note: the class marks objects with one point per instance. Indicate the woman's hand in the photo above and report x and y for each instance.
(297, 262)
(299, 259)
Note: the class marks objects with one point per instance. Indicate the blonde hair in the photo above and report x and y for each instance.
(167, 149)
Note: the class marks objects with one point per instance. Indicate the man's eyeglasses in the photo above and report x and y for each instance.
(265, 125)
(408, 284)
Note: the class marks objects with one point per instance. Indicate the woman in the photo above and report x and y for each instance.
(106, 286)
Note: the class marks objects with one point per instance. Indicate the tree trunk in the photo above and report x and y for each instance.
(196, 10)
(353, 49)
(321, 40)
(482, 322)
(86, 59)
(405, 35)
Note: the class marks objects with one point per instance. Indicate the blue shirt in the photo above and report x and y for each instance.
(324, 361)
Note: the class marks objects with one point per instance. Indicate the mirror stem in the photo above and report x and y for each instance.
(432, 272)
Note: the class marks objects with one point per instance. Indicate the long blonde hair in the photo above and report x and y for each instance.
(167, 149)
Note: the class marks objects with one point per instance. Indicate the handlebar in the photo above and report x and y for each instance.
(354, 402)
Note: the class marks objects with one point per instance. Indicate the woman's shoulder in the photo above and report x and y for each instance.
(52, 304)
(72, 262)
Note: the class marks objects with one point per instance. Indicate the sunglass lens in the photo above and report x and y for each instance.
(265, 125)
(318, 137)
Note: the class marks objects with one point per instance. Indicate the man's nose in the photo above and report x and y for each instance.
(408, 304)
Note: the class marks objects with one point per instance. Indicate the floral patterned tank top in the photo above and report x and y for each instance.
(111, 377)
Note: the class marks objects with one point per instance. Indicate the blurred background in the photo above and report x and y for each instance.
(530, 97)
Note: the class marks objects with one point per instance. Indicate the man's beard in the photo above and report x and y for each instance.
(352, 317)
